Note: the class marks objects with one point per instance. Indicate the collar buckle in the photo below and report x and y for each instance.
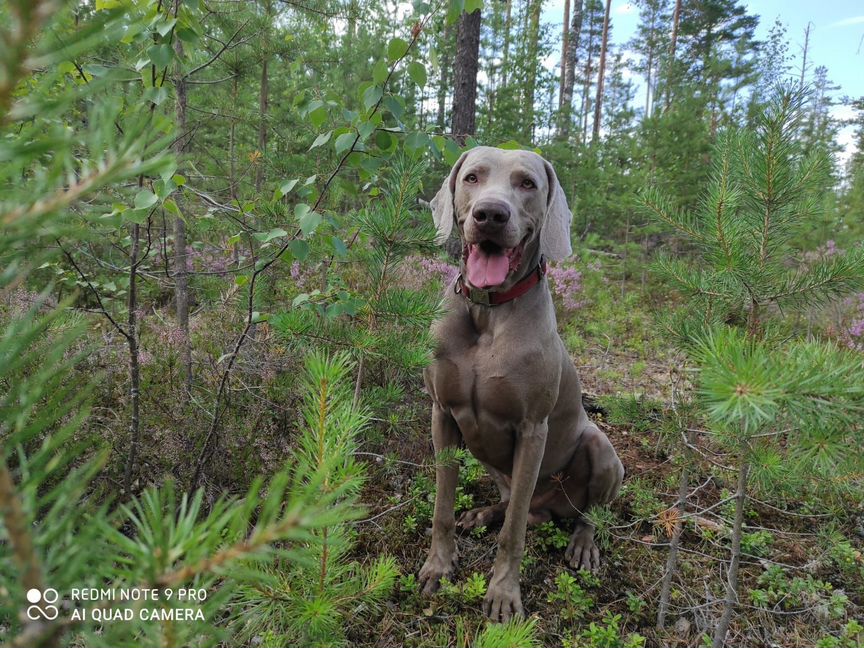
(480, 297)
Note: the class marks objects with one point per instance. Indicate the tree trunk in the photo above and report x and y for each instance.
(601, 75)
(232, 142)
(263, 102)
(670, 64)
(445, 77)
(465, 75)
(565, 42)
(648, 82)
(566, 116)
(586, 85)
(804, 56)
(505, 59)
(672, 558)
(264, 96)
(232, 159)
(532, 37)
(181, 276)
(732, 578)
(134, 366)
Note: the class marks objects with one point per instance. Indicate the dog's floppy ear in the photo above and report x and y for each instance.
(442, 204)
(555, 235)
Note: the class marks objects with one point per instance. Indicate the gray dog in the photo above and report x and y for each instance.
(502, 380)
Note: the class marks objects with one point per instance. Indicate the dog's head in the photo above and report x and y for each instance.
(506, 205)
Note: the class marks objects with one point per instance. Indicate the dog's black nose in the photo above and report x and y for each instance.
(491, 213)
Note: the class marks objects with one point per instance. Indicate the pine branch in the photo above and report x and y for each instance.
(18, 529)
(658, 207)
(824, 280)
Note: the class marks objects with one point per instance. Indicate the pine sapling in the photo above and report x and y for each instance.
(760, 195)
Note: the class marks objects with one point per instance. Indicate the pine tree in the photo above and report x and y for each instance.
(651, 42)
(763, 395)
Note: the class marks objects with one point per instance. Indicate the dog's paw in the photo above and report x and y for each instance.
(485, 516)
(502, 602)
(582, 553)
(434, 569)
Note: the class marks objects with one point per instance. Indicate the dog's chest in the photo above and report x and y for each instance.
(489, 379)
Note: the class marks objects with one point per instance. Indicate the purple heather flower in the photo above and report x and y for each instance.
(439, 268)
(566, 282)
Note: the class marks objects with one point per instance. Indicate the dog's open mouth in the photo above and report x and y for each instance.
(487, 264)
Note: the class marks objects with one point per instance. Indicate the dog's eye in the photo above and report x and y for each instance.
(471, 177)
(527, 183)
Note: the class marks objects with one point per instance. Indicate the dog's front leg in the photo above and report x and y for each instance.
(503, 598)
(442, 554)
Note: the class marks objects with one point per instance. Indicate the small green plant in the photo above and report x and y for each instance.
(643, 501)
(852, 637)
(472, 471)
(409, 523)
(550, 536)
(518, 632)
(474, 588)
(757, 543)
(422, 493)
(640, 414)
(479, 531)
(603, 518)
(848, 559)
(607, 634)
(464, 501)
(588, 578)
(574, 602)
(777, 589)
(471, 591)
(408, 584)
(635, 603)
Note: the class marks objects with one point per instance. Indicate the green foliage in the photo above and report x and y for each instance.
(853, 634)
(307, 601)
(748, 385)
(603, 518)
(757, 543)
(819, 598)
(643, 499)
(469, 592)
(366, 308)
(304, 142)
(551, 537)
(163, 541)
(574, 602)
(630, 411)
(516, 632)
(759, 196)
(608, 634)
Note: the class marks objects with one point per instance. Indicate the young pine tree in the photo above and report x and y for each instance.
(307, 602)
(785, 408)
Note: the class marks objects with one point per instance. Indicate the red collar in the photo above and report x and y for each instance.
(489, 298)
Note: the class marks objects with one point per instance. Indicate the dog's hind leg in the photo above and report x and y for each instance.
(501, 480)
(596, 457)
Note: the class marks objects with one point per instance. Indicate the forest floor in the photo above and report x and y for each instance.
(801, 578)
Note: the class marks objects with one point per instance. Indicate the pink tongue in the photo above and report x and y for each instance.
(485, 270)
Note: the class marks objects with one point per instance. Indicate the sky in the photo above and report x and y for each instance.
(835, 40)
